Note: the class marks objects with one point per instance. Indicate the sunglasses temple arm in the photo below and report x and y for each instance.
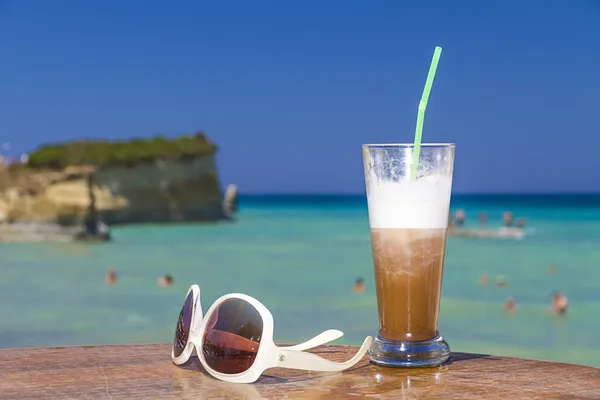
(199, 311)
(322, 338)
(311, 362)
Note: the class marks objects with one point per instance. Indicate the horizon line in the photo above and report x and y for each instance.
(560, 193)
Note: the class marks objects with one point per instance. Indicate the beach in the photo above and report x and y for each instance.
(300, 256)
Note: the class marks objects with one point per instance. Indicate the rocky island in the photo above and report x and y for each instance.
(72, 187)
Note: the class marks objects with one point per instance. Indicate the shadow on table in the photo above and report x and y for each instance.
(364, 368)
(363, 379)
(459, 357)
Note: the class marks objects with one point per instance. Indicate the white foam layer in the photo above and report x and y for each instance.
(416, 204)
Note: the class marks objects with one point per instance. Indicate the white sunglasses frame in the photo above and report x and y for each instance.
(269, 355)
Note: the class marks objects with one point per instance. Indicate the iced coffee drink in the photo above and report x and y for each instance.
(408, 220)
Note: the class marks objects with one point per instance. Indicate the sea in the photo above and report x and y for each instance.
(300, 256)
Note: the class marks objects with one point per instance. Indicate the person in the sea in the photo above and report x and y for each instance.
(510, 305)
(484, 280)
(552, 270)
(559, 304)
(482, 219)
(508, 219)
(165, 281)
(111, 277)
(359, 285)
(520, 223)
(460, 218)
(500, 281)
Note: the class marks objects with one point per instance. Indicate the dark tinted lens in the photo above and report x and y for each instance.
(184, 322)
(232, 337)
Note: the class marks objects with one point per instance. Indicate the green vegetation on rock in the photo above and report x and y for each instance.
(105, 153)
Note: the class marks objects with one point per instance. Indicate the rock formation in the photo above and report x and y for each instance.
(146, 186)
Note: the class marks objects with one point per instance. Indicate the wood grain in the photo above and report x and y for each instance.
(146, 372)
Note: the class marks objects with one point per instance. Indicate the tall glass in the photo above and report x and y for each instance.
(408, 219)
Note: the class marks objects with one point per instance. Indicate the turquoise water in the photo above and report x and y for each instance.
(300, 257)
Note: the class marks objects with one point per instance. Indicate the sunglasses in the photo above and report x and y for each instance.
(234, 341)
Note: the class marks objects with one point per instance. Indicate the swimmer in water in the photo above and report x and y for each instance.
(559, 304)
(165, 281)
(500, 281)
(482, 219)
(520, 223)
(460, 217)
(510, 306)
(508, 219)
(552, 270)
(484, 280)
(111, 277)
(359, 285)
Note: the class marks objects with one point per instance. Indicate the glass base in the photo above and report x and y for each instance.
(428, 353)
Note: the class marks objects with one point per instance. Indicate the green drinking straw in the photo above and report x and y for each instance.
(421, 113)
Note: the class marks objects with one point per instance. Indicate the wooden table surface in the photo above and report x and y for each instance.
(146, 372)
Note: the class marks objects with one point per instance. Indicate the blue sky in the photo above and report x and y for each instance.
(291, 89)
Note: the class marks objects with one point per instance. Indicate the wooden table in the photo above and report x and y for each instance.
(146, 372)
